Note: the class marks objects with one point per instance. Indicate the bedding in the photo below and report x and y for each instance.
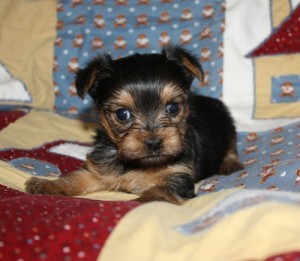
(46, 130)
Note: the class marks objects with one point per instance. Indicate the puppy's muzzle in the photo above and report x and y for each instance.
(154, 144)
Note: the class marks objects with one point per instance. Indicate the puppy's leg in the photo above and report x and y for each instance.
(77, 183)
(231, 162)
(159, 193)
(178, 187)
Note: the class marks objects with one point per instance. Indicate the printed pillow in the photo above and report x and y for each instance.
(260, 82)
(261, 62)
(122, 27)
(276, 68)
(26, 53)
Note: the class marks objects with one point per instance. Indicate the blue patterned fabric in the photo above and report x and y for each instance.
(271, 159)
(123, 27)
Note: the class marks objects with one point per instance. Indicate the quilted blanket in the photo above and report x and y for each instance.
(55, 227)
(250, 53)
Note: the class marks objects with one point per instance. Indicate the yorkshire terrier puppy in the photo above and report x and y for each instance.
(155, 138)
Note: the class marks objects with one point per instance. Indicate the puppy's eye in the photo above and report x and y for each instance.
(123, 115)
(172, 109)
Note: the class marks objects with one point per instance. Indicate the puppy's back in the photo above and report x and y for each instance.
(213, 133)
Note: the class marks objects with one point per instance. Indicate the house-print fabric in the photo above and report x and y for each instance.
(277, 56)
(124, 27)
(261, 62)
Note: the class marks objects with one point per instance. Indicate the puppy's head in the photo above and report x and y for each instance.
(142, 101)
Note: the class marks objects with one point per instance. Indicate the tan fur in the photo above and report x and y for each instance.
(76, 183)
(122, 98)
(231, 160)
(132, 145)
(90, 83)
(159, 193)
(106, 126)
(142, 182)
(139, 181)
(195, 71)
(171, 92)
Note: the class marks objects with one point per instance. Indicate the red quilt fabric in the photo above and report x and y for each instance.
(43, 227)
(65, 164)
(292, 256)
(8, 117)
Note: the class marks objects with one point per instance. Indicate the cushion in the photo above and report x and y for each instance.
(26, 53)
(261, 79)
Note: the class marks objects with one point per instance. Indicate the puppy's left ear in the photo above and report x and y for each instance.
(184, 58)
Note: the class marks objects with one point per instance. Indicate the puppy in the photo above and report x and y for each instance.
(155, 138)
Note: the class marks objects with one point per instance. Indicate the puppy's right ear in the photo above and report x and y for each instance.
(96, 70)
(186, 60)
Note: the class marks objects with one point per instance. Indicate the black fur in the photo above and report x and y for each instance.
(211, 129)
(142, 74)
(181, 185)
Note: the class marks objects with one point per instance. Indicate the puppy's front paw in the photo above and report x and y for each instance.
(42, 186)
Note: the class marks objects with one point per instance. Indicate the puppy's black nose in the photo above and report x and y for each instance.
(153, 144)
